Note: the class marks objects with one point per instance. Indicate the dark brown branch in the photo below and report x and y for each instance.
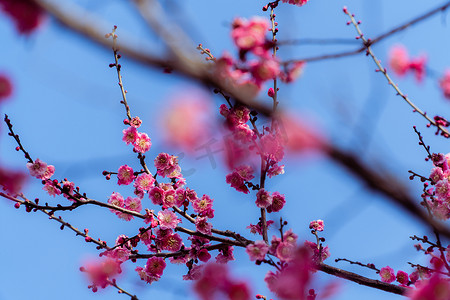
(314, 41)
(175, 254)
(387, 287)
(385, 184)
(211, 237)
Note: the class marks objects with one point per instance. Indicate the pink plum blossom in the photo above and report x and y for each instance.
(144, 182)
(292, 282)
(157, 195)
(37, 168)
(116, 199)
(442, 189)
(402, 277)
(248, 35)
(145, 276)
(399, 60)
(12, 181)
(101, 273)
(290, 237)
(316, 225)
(48, 173)
(263, 198)
(51, 189)
(172, 242)
(168, 219)
(169, 198)
(136, 122)
(129, 135)
(133, 204)
(285, 251)
(203, 206)
(125, 175)
(246, 172)
(202, 225)
(68, 188)
(257, 228)
(264, 70)
(203, 255)
(165, 161)
(186, 120)
(278, 201)
(434, 288)
(401, 64)
(387, 274)
(257, 251)
(180, 196)
(275, 170)
(155, 266)
(295, 2)
(195, 273)
(225, 255)
(236, 181)
(318, 255)
(272, 147)
(142, 143)
(436, 174)
(293, 71)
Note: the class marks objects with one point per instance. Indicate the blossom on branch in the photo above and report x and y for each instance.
(295, 2)
(125, 175)
(387, 274)
(257, 251)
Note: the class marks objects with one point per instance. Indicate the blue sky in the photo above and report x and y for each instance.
(66, 109)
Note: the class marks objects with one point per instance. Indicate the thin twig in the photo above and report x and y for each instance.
(367, 45)
(377, 39)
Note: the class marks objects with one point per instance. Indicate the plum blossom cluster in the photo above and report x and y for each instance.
(248, 143)
(402, 64)
(291, 280)
(215, 282)
(249, 36)
(160, 235)
(153, 269)
(130, 203)
(317, 225)
(437, 287)
(438, 195)
(429, 282)
(295, 2)
(295, 267)
(139, 140)
(387, 275)
(282, 248)
(40, 169)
